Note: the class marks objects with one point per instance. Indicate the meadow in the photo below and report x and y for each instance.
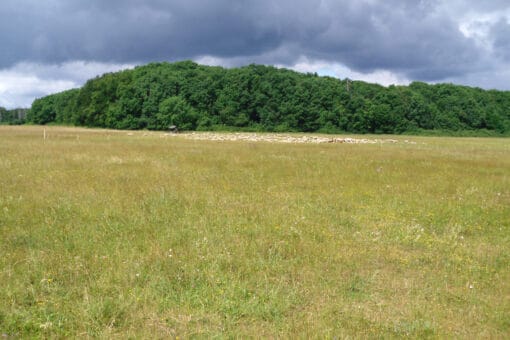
(117, 234)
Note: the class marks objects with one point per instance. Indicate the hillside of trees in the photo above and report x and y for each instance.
(12, 117)
(264, 98)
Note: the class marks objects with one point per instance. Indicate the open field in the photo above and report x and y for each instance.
(139, 234)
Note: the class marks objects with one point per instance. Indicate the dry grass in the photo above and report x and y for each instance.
(117, 234)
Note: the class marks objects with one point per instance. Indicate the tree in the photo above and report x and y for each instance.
(259, 97)
(176, 111)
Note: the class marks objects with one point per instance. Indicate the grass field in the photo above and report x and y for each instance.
(115, 235)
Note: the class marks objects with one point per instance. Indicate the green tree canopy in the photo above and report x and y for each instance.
(257, 97)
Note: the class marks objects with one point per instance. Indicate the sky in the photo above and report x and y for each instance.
(53, 45)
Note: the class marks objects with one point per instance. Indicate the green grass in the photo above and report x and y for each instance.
(105, 234)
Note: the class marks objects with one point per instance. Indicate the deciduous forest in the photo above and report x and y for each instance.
(264, 98)
(12, 117)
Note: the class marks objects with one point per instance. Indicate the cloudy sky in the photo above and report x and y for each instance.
(52, 45)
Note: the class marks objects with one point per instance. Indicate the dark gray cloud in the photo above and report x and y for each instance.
(411, 39)
(501, 42)
(414, 39)
(407, 36)
(125, 31)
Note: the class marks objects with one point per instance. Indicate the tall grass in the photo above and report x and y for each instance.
(115, 234)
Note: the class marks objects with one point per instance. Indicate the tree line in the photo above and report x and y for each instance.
(12, 117)
(264, 98)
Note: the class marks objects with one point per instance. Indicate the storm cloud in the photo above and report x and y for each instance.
(428, 40)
